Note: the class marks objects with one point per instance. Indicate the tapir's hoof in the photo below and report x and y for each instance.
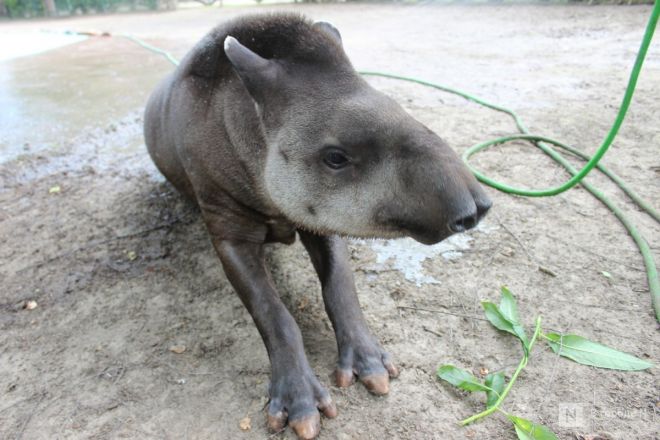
(300, 406)
(277, 421)
(378, 384)
(308, 427)
(374, 372)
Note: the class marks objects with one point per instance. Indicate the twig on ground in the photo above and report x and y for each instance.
(433, 332)
(104, 241)
(442, 312)
(482, 269)
(574, 245)
(276, 433)
(547, 271)
(18, 402)
(532, 258)
(29, 417)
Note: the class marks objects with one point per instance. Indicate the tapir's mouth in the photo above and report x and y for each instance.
(420, 232)
(430, 238)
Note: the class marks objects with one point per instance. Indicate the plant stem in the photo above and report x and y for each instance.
(521, 366)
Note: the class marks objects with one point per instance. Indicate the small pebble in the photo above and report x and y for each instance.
(244, 424)
(178, 349)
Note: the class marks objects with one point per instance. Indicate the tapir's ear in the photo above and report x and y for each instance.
(329, 29)
(257, 73)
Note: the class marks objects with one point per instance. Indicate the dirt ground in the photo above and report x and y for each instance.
(121, 268)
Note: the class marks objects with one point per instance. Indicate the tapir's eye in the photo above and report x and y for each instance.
(335, 159)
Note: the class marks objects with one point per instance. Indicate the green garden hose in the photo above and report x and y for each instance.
(577, 176)
(543, 143)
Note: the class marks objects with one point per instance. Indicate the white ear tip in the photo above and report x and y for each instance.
(229, 40)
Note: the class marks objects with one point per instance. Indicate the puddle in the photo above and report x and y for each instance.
(49, 99)
(407, 255)
(21, 44)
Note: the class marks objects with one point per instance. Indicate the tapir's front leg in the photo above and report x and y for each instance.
(359, 352)
(295, 392)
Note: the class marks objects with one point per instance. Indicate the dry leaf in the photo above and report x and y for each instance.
(178, 349)
(30, 305)
(244, 424)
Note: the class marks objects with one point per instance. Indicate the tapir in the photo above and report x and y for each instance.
(267, 127)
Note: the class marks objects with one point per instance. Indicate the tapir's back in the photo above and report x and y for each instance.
(160, 139)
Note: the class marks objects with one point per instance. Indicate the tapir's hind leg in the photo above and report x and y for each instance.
(359, 352)
(159, 139)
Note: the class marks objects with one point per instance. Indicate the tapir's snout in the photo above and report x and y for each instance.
(442, 217)
(454, 202)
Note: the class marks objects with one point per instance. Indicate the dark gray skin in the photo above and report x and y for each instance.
(269, 129)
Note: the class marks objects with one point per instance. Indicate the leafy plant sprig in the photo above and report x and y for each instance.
(505, 318)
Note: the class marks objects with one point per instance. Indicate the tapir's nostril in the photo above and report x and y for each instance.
(482, 207)
(464, 223)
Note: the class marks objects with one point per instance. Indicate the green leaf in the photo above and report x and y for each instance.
(500, 321)
(496, 382)
(583, 351)
(527, 430)
(496, 318)
(520, 332)
(461, 378)
(508, 306)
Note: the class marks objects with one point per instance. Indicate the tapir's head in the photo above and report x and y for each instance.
(344, 158)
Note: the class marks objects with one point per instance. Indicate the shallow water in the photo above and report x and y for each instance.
(20, 44)
(50, 99)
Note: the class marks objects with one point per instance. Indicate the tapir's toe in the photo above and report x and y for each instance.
(378, 384)
(370, 364)
(392, 369)
(296, 399)
(328, 408)
(277, 416)
(344, 377)
(308, 427)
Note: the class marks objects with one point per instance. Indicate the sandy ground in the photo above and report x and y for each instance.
(121, 268)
